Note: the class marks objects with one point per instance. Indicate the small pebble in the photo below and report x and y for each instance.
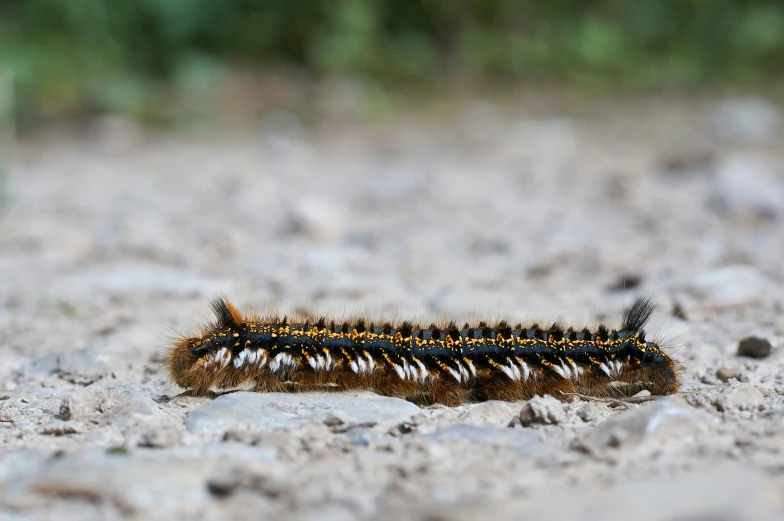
(661, 421)
(625, 282)
(542, 410)
(754, 347)
(616, 438)
(492, 412)
(230, 479)
(587, 412)
(336, 418)
(58, 429)
(160, 437)
(724, 374)
(742, 397)
(83, 403)
(678, 311)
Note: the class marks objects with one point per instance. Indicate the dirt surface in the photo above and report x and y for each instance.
(113, 238)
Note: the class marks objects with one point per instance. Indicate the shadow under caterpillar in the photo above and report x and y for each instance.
(448, 365)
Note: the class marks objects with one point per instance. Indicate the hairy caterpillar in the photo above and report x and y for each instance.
(448, 365)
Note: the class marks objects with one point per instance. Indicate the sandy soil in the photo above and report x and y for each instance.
(112, 238)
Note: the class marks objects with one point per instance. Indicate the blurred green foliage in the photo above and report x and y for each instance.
(115, 55)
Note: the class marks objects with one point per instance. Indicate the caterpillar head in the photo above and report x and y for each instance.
(660, 373)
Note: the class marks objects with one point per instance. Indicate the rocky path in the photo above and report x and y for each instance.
(113, 239)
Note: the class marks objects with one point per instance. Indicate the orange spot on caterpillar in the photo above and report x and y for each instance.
(445, 364)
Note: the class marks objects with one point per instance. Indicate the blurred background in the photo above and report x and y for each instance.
(417, 152)
(177, 62)
(432, 149)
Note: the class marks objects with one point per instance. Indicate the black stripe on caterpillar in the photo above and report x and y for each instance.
(449, 365)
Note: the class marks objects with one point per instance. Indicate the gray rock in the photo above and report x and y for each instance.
(131, 485)
(340, 421)
(58, 428)
(587, 412)
(6, 416)
(723, 492)
(83, 403)
(264, 479)
(741, 397)
(667, 418)
(367, 437)
(542, 410)
(492, 412)
(754, 347)
(160, 437)
(725, 374)
(81, 367)
(255, 411)
(43, 365)
(525, 442)
(338, 418)
(129, 404)
(702, 399)
(40, 410)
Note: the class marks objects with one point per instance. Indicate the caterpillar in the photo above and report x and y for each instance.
(448, 364)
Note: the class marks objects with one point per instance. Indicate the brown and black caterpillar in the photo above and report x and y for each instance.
(449, 365)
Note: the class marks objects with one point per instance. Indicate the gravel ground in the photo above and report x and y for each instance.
(113, 238)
